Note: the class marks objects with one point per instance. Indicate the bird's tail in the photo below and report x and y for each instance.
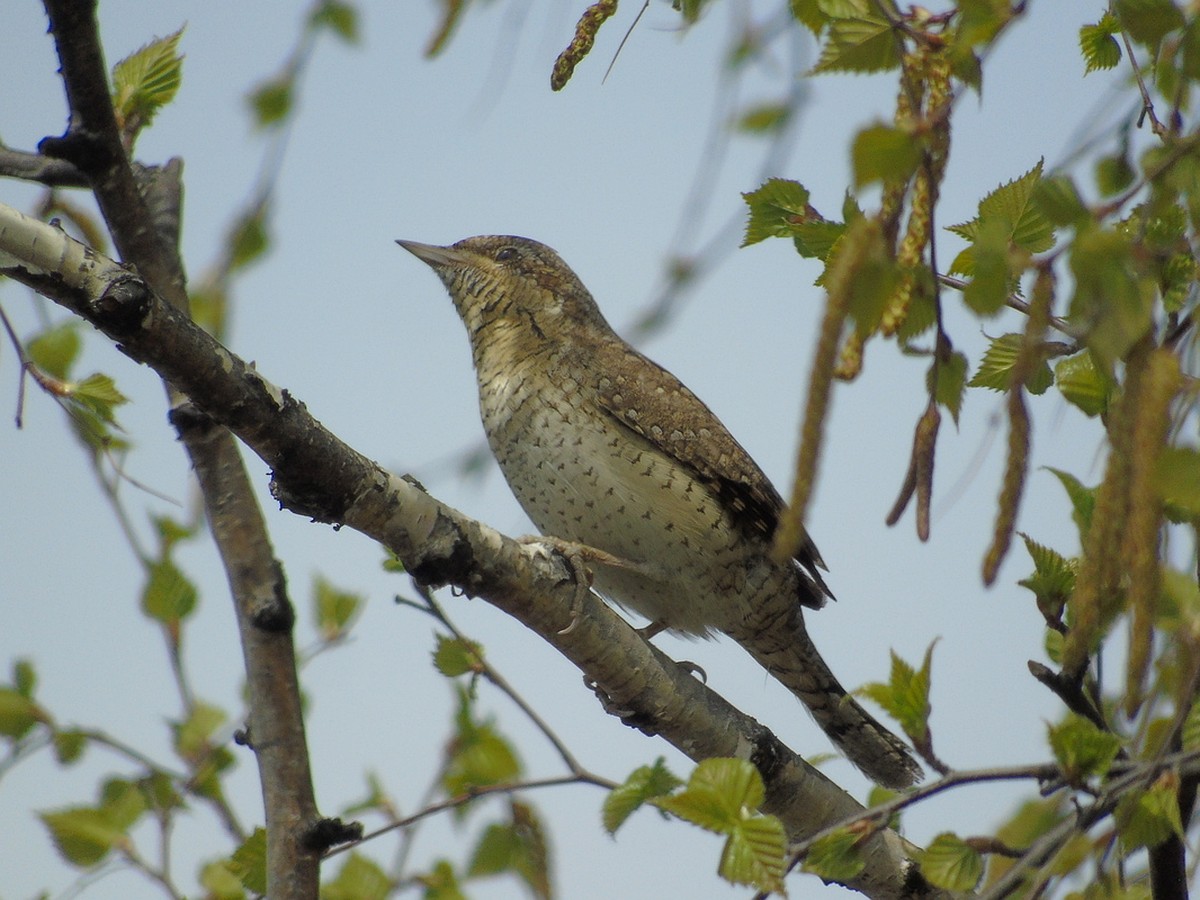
(786, 651)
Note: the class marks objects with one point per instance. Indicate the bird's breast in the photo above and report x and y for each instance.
(582, 476)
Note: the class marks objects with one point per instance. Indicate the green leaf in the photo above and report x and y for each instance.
(1098, 44)
(271, 102)
(643, 784)
(335, 610)
(146, 81)
(1114, 174)
(496, 851)
(24, 677)
(808, 13)
(1082, 749)
(1109, 304)
(990, 267)
(359, 879)
(1057, 198)
(1083, 384)
(906, 695)
(1012, 204)
(249, 862)
(863, 43)
(99, 394)
(478, 754)
(835, 857)
(1148, 21)
(775, 209)
(723, 796)
(1083, 499)
(18, 713)
(248, 239)
(340, 18)
(764, 118)
(884, 153)
(1147, 818)
(69, 746)
(220, 882)
(441, 883)
(717, 793)
(1177, 479)
(168, 595)
(949, 862)
(122, 803)
(1052, 580)
(951, 373)
(519, 846)
(1191, 728)
(454, 657)
(83, 835)
(193, 735)
(756, 854)
(55, 349)
(995, 370)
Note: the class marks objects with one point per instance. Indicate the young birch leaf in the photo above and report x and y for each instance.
(1191, 728)
(454, 657)
(69, 746)
(360, 878)
(906, 695)
(146, 81)
(1098, 44)
(1147, 818)
(643, 784)
(1083, 499)
(55, 349)
(1082, 749)
(1083, 384)
(951, 374)
(775, 209)
(249, 862)
(18, 713)
(862, 43)
(949, 862)
(334, 609)
(99, 394)
(1148, 21)
(1052, 580)
(995, 369)
(340, 18)
(755, 854)
(1177, 481)
(168, 595)
(716, 794)
(83, 835)
(835, 857)
(884, 153)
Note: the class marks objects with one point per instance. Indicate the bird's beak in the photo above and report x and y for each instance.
(432, 254)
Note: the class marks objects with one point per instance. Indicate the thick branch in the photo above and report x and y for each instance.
(318, 476)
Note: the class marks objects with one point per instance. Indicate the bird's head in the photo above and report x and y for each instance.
(510, 284)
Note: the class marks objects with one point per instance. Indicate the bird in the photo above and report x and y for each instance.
(605, 449)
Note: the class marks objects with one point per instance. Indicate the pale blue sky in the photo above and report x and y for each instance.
(389, 145)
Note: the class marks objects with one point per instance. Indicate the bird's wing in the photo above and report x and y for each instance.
(656, 405)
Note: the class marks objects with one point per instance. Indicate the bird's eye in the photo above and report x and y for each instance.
(504, 254)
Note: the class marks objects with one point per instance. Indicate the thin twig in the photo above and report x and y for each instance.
(475, 794)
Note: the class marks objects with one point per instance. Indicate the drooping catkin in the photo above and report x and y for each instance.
(581, 44)
(861, 239)
(1016, 467)
(1161, 380)
(1095, 599)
